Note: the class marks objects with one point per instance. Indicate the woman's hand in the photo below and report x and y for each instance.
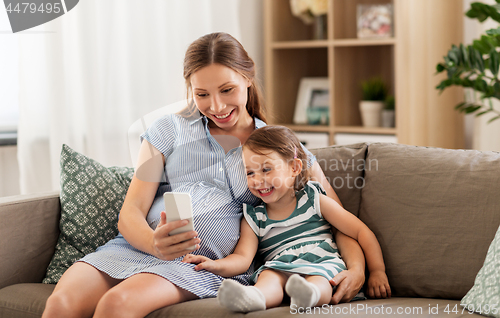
(169, 247)
(378, 285)
(202, 263)
(349, 283)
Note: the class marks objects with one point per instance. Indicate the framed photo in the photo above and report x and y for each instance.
(313, 101)
(374, 21)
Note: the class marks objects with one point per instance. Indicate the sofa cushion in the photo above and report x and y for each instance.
(484, 296)
(435, 212)
(24, 300)
(91, 198)
(343, 167)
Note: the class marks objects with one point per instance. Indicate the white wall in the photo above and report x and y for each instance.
(479, 134)
(9, 171)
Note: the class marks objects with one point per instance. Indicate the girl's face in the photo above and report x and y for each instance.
(269, 176)
(221, 95)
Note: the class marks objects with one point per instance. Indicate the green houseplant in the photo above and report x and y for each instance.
(388, 113)
(374, 94)
(476, 66)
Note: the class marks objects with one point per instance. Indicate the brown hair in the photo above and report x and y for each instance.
(222, 48)
(283, 141)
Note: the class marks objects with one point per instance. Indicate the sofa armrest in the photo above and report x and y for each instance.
(29, 230)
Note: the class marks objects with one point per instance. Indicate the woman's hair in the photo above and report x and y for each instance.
(283, 141)
(223, 49)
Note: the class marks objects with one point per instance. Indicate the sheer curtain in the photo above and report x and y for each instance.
(88, 75)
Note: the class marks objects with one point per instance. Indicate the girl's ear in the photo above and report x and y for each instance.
(296, 167)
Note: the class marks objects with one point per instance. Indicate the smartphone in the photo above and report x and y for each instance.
(178, 207)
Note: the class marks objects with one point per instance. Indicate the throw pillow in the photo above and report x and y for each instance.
(91, 198)
(484, 296)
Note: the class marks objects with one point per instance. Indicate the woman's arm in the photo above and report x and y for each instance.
(236, 263)
(132, 222)
(348, 282)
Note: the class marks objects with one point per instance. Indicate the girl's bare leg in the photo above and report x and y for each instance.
(271, 284)
(78, 292)
(139, 295)
(324, 286)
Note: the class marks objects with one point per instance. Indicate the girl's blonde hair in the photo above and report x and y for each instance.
(283, 141)
(222, 48)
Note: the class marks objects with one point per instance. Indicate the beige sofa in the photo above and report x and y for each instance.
(434, 211)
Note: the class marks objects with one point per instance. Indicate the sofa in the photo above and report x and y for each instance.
(434, 211)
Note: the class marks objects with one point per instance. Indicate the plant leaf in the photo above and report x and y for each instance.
(494, 62)
(482, 113)
(471, 109)
(492, 119)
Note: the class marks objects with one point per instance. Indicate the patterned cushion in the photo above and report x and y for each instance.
(91, 198)
(484, 296)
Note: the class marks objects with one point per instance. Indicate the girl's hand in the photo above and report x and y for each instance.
(378, 285)
(169, 247)
(203, 263)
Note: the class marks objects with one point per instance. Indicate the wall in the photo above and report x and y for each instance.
(9, 171)
(478, 133)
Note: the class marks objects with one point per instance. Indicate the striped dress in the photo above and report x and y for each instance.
(302, 243)
(196, 163)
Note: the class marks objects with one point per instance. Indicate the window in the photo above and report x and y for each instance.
(9, 81)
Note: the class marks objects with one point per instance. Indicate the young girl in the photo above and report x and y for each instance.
(291, 231)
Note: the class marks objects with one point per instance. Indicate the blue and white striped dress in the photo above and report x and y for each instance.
(302, 243)
(195, 163)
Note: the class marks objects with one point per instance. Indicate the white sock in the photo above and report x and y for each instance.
(301, 292)
(239, 298)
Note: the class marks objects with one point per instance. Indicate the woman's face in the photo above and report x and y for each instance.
(221, 95)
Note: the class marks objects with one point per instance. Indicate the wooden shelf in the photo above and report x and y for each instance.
(365, 130)
(332, 43)
(423, 32)
(311, 128)
(300, 44)
(364, 42)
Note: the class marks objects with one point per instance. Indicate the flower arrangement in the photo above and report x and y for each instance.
(306, 10)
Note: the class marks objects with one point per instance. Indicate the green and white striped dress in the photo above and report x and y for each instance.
(302, 243)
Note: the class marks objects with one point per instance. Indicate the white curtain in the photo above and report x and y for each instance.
(88, 75)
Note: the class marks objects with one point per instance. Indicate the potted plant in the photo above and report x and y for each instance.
(476, 66)
(388, 113)
(374, 94)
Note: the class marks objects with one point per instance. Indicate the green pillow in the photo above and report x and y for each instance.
(91, 198)
(484, 296)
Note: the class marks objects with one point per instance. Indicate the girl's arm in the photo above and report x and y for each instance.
(348, 282)
(236, 263)
(132, 222)
(378, 284)
(353, 227)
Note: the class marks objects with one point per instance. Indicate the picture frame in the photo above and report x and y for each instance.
(374, 21)
(313, 101)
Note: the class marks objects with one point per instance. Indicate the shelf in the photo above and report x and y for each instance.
(300, 44)
(335, 43)
(364, 42)
(310, 128)
(365, 130)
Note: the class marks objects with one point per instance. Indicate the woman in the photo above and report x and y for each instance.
(198, 152)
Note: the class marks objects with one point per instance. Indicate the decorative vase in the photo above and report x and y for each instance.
(371, 112)
(319, 27)
(388, 118)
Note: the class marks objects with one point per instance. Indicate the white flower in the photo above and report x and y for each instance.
(308, 9)
(318, 7)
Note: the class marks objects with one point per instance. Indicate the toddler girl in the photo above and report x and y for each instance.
(291, 231)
